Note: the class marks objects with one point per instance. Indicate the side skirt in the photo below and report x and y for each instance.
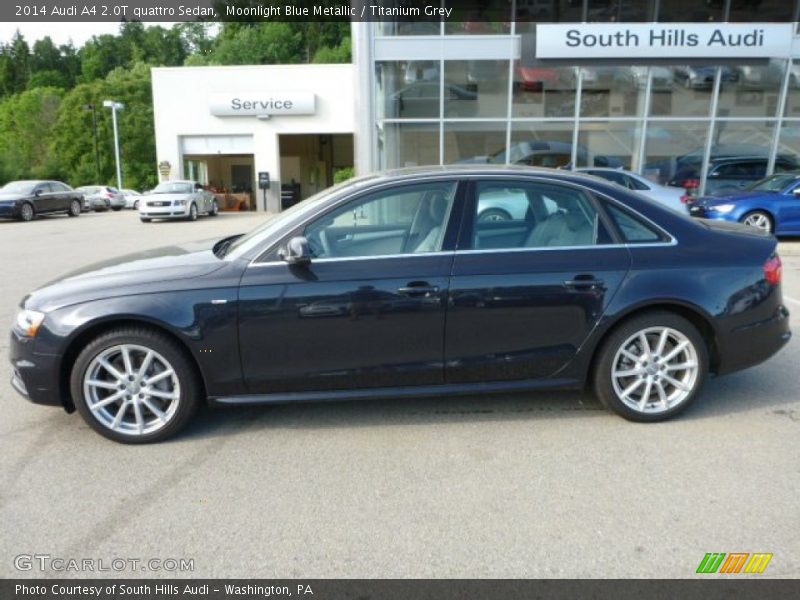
(421, 391)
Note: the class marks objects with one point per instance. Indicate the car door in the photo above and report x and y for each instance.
(520, 306)
(369, 309)
(61, 196)
(43, 198)
(788, 210)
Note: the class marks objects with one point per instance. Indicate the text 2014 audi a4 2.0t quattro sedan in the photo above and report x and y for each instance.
(389, 285)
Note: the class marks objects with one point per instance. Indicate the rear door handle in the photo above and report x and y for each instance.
(588, 283)
(418, 289)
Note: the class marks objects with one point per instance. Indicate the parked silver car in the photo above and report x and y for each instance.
(101, 197)
(666, 195)
(177, 200)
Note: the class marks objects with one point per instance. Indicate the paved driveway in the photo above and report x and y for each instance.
(536, 485)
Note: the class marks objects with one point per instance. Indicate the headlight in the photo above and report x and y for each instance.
(29, 321)
(179, 203)
(723, 208)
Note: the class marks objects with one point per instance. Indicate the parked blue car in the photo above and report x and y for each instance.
(772, 204)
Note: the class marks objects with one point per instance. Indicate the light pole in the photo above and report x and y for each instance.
(115, 106)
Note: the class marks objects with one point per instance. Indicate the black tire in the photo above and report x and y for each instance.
(214, 209)
(145, 219)
(116, 208)
(493, 214)
(27, 212)
(75, 208)
(189, 387)
(192, 213)
(603, 377)
(761, 217)
(135, 205)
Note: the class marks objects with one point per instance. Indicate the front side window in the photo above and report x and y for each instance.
(410, 219)
(535, 215)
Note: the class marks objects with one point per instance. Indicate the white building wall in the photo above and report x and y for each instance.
(181, 105)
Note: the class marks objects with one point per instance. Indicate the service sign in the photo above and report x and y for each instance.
(255, 104)
(665, 40)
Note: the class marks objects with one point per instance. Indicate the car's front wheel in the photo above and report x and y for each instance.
(26, 212)
(145, 219)
(651, 367)
(192, 212)
(74, 208)
(134, 385)
(760, 220)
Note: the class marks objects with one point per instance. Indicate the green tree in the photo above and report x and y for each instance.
(271, 42)
(338, 54)
(27, 121)
(101, 55)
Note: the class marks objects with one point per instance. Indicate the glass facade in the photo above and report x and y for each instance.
(670, 120)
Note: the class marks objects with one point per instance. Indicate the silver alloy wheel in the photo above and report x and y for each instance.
(73, 210)
(26, 212)
(655, 370)
(193, 212)
(131, 389)
(759, 221)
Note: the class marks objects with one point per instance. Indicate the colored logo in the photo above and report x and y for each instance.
(734, 562)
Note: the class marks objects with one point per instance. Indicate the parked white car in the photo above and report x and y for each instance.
(666, 195)
(132, 198)
(177, 200)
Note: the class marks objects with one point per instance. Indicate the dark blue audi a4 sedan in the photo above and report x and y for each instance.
(772, 204)
(390, 286)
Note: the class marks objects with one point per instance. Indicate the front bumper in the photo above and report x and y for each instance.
(34, 376)
(163, 212)
(9, 211)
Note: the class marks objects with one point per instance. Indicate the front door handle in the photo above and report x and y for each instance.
(418, 288)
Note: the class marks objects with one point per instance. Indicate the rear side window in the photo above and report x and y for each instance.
(526, 214)
(633, 229)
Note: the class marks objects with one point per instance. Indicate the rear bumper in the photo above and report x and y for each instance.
(752, 344)
(34, 376)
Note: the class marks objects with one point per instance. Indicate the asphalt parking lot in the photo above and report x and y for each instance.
(536, 485)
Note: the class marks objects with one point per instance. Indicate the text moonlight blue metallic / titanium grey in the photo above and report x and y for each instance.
(391, 285)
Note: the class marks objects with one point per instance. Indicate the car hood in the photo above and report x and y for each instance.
(10, 197)
(149, 271)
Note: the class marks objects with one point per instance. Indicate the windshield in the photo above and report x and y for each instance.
(773, 183)
(277, 222)
(173, 187)
(19, 187)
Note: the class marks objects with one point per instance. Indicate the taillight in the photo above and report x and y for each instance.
(773, 270)
(691, 184)
(109, 195)
(687, 199)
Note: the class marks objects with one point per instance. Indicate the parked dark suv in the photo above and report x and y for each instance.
(728, 174)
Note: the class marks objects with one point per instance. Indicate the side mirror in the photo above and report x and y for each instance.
(796, 191)
(38, 192)
(296, 252)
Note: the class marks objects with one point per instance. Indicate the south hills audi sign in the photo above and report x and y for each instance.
(673, 40)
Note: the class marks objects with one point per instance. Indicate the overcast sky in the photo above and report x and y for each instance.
(62, 32)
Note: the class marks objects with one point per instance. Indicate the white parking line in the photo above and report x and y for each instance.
(791, 300)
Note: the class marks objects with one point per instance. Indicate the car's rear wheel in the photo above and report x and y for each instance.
(760, 220)
(116, 208)
(27, 212)
(651, 367)
(134, 385)
(192, 212)
(74, 208)
(135, 205)
(214, 209)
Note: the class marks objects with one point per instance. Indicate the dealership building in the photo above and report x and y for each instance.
(704, 91)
